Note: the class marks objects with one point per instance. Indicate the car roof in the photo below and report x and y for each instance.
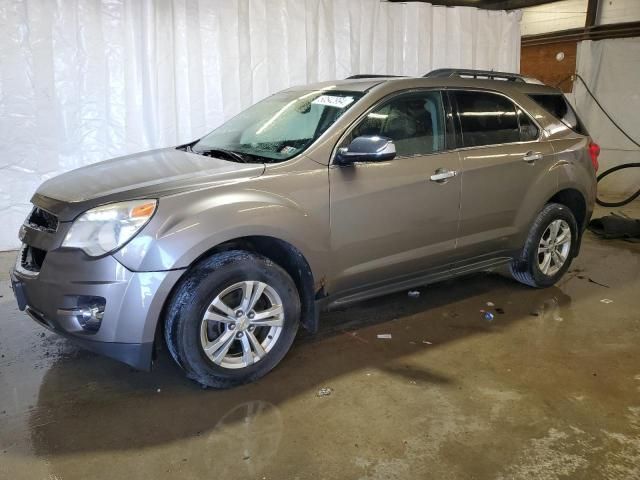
(365, 83)
(356, 85)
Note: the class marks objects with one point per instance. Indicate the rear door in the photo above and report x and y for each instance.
(389, 219)
(503, 159)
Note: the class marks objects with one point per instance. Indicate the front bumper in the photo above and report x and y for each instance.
(133, 302)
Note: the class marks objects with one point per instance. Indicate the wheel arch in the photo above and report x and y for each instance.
(575, 201)
(280, 252)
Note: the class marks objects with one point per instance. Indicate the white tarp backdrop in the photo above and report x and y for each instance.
(82, 81)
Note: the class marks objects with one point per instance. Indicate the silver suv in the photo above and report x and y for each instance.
(315, 197)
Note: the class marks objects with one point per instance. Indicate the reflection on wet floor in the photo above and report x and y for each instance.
(552, 381)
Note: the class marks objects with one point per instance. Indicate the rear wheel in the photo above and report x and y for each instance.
(232, 319)
(549, 248)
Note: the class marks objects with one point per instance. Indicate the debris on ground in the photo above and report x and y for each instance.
(606, 300)
(158, 390)
(427, 342)
(500, 310)
(491, 304)
(355, 336)
(413, 382)
(384, 335)
(413, 293)
(325, 392)
(591, 280)
(488, 316)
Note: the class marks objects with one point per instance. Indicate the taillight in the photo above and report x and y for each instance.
(594, 152)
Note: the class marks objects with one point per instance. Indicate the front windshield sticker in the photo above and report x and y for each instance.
(333, 101)
(288, 150)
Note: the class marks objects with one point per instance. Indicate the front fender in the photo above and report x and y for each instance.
(187, 226)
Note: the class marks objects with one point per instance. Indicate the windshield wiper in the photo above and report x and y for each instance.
(230, 154)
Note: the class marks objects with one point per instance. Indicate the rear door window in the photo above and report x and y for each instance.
(486, 119)
(558, 106)
(528, 130)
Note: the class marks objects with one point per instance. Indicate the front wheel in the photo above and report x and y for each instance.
(232, 319)
(549, 248)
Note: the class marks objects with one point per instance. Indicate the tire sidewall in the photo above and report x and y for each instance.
(204, 283)
(549, 214)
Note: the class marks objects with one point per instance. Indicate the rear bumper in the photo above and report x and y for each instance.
(133, 302)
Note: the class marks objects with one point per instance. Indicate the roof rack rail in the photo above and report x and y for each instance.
(489, 74)
(371, 75)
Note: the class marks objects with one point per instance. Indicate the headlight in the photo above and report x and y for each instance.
(104, 229)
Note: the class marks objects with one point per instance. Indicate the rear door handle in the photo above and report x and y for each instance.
(531, 157)
(441, 175)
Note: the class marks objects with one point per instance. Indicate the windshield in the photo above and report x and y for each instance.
(277, 128)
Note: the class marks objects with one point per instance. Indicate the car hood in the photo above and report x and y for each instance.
(148, 174)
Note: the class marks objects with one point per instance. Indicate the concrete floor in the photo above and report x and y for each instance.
(548, 389)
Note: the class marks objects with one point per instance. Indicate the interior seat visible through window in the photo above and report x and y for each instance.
(414, 121)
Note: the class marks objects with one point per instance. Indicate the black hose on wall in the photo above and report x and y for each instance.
(617, 167)
(626, 200)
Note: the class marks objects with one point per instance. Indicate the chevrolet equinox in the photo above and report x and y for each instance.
(316, 197)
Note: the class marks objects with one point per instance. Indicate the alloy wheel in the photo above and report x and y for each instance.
(242, 324)
(554, 247)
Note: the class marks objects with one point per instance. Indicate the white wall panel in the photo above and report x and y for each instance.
(86, 80)
(618, 11)
(611, 69)
(552, 17)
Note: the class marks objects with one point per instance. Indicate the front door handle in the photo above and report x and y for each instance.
(531, 157)
(441, 175)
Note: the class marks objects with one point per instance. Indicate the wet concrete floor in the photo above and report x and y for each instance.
(548, 389)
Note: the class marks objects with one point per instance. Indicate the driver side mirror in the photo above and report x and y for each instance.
(366, 148)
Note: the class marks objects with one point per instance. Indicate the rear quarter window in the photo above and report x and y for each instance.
(558, 106)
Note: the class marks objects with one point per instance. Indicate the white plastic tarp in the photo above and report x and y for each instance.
(82, 81)
(611, 69)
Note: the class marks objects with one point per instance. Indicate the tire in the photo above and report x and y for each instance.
(528, 267)
(187, 334)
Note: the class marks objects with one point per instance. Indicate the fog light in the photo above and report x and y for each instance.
(91, 317)
(82, 313)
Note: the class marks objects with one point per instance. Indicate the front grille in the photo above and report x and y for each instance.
(32, 258)
(42, 220)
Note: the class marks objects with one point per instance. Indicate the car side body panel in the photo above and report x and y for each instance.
(574, 169)
(501, 195)
(289, 202)
(389, 220)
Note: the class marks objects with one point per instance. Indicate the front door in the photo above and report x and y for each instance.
(391, 219)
